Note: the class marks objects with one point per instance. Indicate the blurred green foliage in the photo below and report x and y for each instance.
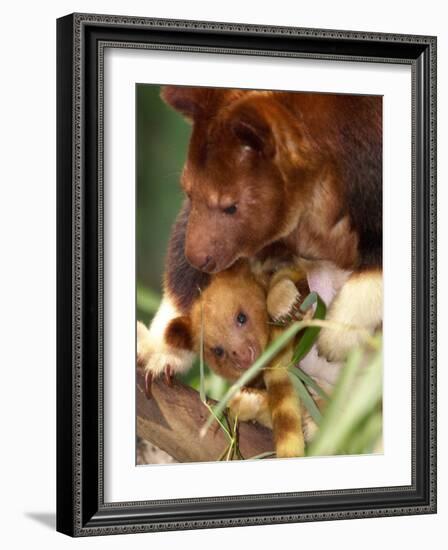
(162, 139)
(162, 143)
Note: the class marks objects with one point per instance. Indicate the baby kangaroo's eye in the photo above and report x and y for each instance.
(230, 210)
(241, 318)
(218, 351)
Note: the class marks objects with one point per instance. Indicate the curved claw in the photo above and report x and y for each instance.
(294, 313)
(148, 384)
(169, 375)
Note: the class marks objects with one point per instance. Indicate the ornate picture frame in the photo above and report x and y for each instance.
(81, 43)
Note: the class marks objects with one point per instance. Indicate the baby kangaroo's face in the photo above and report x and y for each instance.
(235, 322)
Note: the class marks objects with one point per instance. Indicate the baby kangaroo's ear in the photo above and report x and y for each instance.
(179, 333)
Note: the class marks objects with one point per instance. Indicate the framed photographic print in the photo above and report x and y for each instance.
(246, 274)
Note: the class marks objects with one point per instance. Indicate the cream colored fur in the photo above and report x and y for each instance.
(358, 304)
(251, 404)
(152, 350)
(281, 299)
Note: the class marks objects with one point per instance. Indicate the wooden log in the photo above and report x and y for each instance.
(174, 416)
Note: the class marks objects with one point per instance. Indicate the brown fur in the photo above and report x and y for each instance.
(178, 333)
(280, 390)
(300, 167)
(181, 280)
(288, 424)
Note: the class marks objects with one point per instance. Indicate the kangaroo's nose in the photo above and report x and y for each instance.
(201, 261)
(208, 265)
(243, 357)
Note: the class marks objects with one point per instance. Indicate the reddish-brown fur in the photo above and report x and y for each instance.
(302, 169)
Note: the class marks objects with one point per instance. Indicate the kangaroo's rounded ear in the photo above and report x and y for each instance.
(184, 99)
(178, 333)
(194, 102)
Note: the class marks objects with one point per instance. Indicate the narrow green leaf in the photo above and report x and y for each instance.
(306, 398)
(309, 382)
(310, 335)
(309, 301)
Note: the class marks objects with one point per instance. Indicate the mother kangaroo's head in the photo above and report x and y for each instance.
(248, 172)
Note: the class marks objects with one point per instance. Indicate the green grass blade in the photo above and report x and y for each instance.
(309, 382)
(328, 436)
(366, 435)
(201, 358)
(220, 422)
(310, 335)
(267, 454)
(357, 393)
(306, 398)
(365, 399)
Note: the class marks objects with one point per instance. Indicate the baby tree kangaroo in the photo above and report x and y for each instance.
(234, 312)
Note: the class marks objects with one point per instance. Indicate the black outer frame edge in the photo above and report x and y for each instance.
(424, 306)
(100, 519)
(65, 497)
(236, 39)
(211, 33)
(90, 331)
(305, 505)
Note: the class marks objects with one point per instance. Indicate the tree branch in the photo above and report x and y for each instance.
(174, 416)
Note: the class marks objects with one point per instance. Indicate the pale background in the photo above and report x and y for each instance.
(27, 303)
